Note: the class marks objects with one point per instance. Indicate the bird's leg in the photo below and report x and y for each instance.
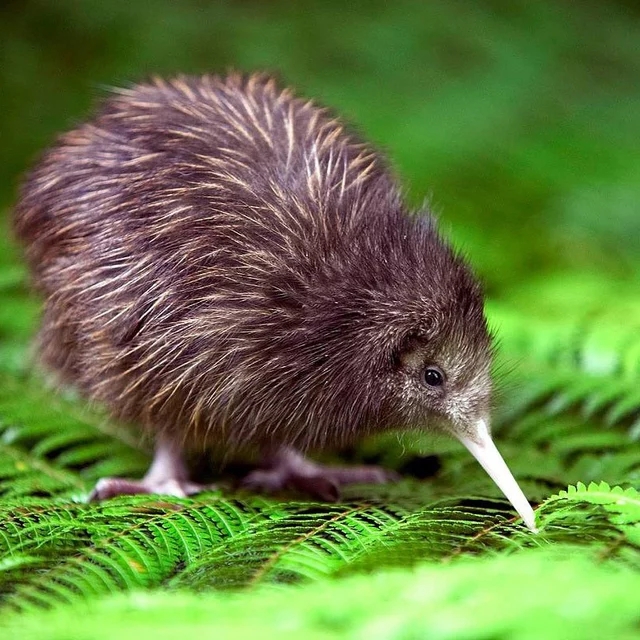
(167, 475)
(289, 469)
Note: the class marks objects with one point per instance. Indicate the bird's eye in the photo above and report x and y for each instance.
(433, 377)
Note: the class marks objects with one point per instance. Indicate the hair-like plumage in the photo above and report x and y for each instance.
(224, 263)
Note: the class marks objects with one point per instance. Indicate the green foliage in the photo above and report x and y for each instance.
(474, 598)
(522, 120)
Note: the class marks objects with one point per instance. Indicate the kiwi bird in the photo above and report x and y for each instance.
(226, 265)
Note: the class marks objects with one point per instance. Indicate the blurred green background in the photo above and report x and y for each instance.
(519, 121)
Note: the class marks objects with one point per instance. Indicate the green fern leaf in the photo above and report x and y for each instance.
(50, 445)
(624, 502)
(557, 596)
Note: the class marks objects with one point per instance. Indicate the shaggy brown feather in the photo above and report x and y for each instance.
(225, 264)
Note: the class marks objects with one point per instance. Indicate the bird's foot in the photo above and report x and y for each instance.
(110, 487)
(167, 476)
(288, 469)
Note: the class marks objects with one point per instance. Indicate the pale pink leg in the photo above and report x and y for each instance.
(167, 475)
(288, 469)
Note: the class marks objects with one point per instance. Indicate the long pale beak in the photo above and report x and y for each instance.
(485, 452)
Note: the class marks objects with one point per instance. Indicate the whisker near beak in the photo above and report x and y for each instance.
(485, 452)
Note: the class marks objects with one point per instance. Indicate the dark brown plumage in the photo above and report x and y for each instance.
(222, 263)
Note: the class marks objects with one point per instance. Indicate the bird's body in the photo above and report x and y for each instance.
(223, 264)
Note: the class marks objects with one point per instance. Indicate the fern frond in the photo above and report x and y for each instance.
(144, 542)
(50, 445)
(579, 356)
(558, 596)
(124, 544)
